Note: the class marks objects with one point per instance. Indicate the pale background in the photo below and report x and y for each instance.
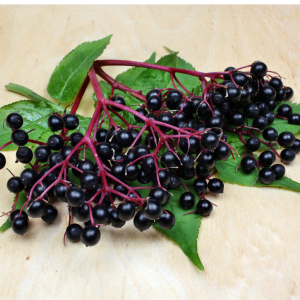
(250, 246)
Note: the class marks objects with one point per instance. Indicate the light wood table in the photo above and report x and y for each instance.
(250, 246)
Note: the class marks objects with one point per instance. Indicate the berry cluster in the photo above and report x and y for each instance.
(179, 137)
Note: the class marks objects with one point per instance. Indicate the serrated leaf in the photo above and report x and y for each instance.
(171, 51)
(159, 79)
(228, 174)
(21, 200)
(33, 113)
(129, 76)
(69, 75)
(185, 231)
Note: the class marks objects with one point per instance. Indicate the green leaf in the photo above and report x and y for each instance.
(21, 200)
(228, 174)
(171, 51)
(129, 76)
(69, 75)
(150, 78)
(24, 91)
(186, 228)
(184, 232)
(33, 113)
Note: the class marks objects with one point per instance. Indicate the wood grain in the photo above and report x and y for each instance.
(250, 244)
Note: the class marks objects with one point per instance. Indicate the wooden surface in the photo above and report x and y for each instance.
(250, 246)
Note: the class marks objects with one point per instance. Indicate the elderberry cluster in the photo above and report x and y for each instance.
(179, 137)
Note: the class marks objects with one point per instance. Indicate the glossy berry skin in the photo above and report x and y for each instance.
(166, 220)
(289, 93)
(115, 220)
(164, 178)
(124, 138)
(55, 142)
(2, 161)
(191, 146)
(207, 159)
(134, 132)
(234, 94)
(70, 121)
(252, 144)
(281, 94)
(204, 207)
(248, 164)
(251, 110)
(154, 92)
(42, 153)
(267, 158)
(187, 161)
(55, 123)
(14, 214)
(168, 119)
(60, 192)
(101, 134)
(104, 150)
(222, 152)
(284, 110)
(89, 180)
(279, 170)
(259, 69)
(215, 186)
(268, 93)
(200, 186)
(294, 119)
(276, 83)
(15, 185)
(154, 103)
(286, 139)
(14, 121)
(210, 140)
(186, 174)
(269, 115)
(73, 232)
(152, 141)
(40, 188)
(141, 222)
(270, 134)
(187, 200)
(118, 100)
(20, 225)
(260, 122)
(152, 209)
(148, 165)
(19, 137)
(186, 107)
(267, 175)
(202, 172)
(159, 195)
(75, 196)
(173, 98)
(169, 160)
(240, 78)
(100, 214)
(271, 104)
(217, 98)
(54, 159)
(29, 177)
(50, 214)
(227, 76)
(237, 119)
(36, 209)
(287, 155)
(126, 211)
(75, 138)
(296, 146)
(174, 181)
(140, 151)
(90, 235)
(82, 213)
